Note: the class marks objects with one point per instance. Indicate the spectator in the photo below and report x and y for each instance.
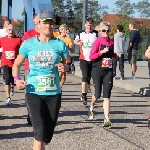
(119, 41)
(133, 48)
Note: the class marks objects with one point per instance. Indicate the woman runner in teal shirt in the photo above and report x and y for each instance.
(43, 92)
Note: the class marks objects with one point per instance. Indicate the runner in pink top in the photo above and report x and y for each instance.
(101, 54)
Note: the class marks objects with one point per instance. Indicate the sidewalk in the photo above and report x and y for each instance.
(140, 85)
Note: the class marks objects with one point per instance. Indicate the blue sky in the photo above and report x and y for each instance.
(18, 7)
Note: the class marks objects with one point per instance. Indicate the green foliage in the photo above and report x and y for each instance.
(143, 7)
(19, 26)
(142, 48)
(71, 12)
(124, 7)
(124, 21)
(126, 10)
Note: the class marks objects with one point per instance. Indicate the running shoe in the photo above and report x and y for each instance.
(107, 122)
(90, 114)
(8, 101)
(84, 101)
(122, 78)
(132, 78)
(12, 92)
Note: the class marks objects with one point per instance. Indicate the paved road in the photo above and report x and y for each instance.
(74, 132)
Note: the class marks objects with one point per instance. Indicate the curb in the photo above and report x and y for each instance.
(145, 91)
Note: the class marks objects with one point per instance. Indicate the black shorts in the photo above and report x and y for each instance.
(7, 75)
(86, 68)
(43, 111)
(102, 77)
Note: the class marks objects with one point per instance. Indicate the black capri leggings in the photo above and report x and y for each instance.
(102, 77)
(86, 68)
(7, 75)
(43, 111)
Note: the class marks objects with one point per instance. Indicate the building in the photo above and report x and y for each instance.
(114, 19)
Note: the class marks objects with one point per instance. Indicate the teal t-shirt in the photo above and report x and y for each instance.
(43, 78)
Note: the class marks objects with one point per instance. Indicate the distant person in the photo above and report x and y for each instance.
(133, 48)
(57, 24)
(97, 28)
(147, 45)
(27, 35)
(119, 42)
(3, 33)
(85, 39)
(10, 45)
(63, 36)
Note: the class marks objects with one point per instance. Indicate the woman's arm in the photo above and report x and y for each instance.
(16, 66)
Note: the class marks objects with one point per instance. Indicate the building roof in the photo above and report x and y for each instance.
(114, 18)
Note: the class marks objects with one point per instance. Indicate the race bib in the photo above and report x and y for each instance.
(10, 54)
(106, 63)
(87, 46)
(46, 83)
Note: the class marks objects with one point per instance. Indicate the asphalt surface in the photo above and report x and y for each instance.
(129, 116)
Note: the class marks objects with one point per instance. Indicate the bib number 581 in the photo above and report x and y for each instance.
(107, 62)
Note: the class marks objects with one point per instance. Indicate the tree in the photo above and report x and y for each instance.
(71, 12)
(124, 7)
(96, 11)
(143, 7)
(19, 27)
(58, 6)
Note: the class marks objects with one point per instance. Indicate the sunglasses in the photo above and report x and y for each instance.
(105, 30)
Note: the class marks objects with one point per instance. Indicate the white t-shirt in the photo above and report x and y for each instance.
(3, 33)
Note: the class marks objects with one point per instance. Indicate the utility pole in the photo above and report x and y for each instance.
(85, 8)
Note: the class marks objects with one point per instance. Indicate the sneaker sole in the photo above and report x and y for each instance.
(8, 104)
(104, 126)
(90, 118)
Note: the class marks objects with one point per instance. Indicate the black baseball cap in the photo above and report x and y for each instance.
(47, 15)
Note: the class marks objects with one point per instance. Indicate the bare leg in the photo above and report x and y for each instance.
(106, 106)
(134, 69)
(7, 90)
(84, 87)
(94, 100)
(38, 145)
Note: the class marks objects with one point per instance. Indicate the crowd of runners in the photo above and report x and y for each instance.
(46, 53)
